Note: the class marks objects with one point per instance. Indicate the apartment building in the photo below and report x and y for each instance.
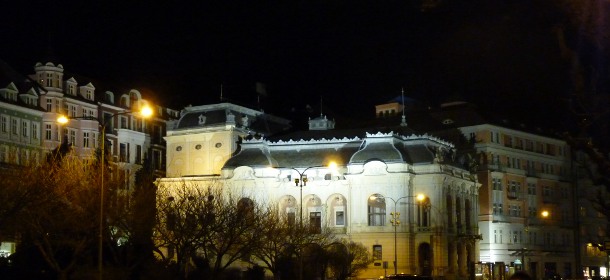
(93, 113)
(20, 118)
(527, 196)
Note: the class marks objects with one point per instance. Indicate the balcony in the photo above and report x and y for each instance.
(532, 172)
(493, 167)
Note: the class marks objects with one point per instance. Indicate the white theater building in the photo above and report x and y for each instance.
(379, 171)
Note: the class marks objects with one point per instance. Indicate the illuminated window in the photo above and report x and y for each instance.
(377, 253)
(35, 131)
(47, 132)
(4, 124)
(72, 136)
(86, 139)
(339, 218)
(376, 210)
(315, 222)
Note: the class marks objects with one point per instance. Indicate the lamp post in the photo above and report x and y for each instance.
(433, 220)
(396, 221)
(144, 112)
(302, 182)
(544, 215)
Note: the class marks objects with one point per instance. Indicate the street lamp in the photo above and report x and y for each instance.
(544, 214)
(302, 182)
(145, 112)
(396, 220)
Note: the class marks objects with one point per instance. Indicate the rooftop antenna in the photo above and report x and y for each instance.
(220, 92)
(320, 106)
(404, 121)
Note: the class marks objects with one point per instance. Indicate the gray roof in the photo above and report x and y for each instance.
(220, 114)
(293, 158)
(389, 149)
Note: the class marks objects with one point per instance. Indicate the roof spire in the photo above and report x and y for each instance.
(404, 121)
(320, 106)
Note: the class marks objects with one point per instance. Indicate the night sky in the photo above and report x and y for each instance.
(502, 55)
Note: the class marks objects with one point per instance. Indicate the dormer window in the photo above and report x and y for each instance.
(89, 95)
(202, 119)
(71, 89)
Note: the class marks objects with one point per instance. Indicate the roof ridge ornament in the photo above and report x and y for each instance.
(202, 119)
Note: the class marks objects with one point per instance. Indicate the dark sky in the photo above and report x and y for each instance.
(501, 55)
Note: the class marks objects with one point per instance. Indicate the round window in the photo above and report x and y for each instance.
(198, 147)
(179, 148)
(218, 145)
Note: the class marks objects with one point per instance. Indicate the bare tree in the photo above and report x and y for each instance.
(347, 258)
(285, 241)
(60, 225)
(206, 226)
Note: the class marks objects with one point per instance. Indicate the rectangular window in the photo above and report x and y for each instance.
(4, 124)
(47, 132)
(73, 111)
(339, 218)
(72, 137)
(35, 131)
(157, 160)
(377, 253)
(49, 81)
(14, 126)
(49, 105)
(122, 152)
(24, 129)
(315, 222)
(376, 215)
(291, 216)
(110, 123)
(156, 137)
(57, 106)
(86, 139)
(138, 154)
(124, 122)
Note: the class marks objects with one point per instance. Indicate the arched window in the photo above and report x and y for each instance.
(423, 213)
(458, 214)
(376, 210)
(449, 207)
(314, 209)
(337, 210)
(288, 209)
(124, 101)
(467, 213)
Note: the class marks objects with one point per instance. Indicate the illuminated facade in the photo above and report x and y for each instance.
(378, 172)
(129, 138)
(20, 118)
(527, 207)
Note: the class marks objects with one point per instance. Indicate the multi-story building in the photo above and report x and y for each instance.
(130, 138)
(593, 247)
(20, 130)
(527, 217)
(380, 170)
(20, 118)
